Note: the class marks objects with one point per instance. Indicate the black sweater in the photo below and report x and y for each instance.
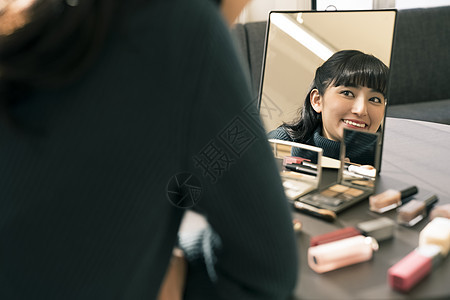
(84, 209)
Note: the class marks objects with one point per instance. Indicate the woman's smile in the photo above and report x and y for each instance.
(355, 124)
(354, 107)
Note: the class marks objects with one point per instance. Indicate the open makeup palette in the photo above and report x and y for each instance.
(300, 175)
(355, 182)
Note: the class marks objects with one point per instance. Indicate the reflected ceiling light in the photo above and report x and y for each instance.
(301, 35)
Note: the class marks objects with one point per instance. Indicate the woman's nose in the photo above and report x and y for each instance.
(359, 106)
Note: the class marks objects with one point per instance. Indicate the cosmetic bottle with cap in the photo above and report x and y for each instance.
(442, 211)
(415, 210)
(437, 232)
(411, 269)
(390, 199)
(341, 253)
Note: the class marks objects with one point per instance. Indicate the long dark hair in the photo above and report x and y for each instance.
(346, 67)
(59, 42)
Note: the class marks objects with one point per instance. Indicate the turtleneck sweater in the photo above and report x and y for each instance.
(330, 148)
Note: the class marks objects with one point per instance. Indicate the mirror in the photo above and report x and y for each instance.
(366, 146)
(297, 43)
(355, 182)
(300, 175)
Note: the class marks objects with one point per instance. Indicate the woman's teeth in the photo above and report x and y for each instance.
(360, 125)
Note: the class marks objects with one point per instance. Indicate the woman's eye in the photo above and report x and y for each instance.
(375, 100)
(347, 93)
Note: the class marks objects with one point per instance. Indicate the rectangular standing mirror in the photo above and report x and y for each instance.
(297, 43)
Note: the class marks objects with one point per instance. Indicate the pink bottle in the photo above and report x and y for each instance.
(341, 253)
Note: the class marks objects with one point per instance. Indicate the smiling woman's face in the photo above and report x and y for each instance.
(359, 108)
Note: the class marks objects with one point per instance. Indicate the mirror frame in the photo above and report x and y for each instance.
(266, 39)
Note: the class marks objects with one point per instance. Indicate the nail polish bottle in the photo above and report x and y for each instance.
(442, 211)
(334, 255)
(414, 211)
(411, 269)
(390, 199)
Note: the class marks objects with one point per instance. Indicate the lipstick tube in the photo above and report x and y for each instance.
(437, 232)
(411, 269)
(414, 211)
(380, 229)
(334, 255)
(332, 236)
(390, 199)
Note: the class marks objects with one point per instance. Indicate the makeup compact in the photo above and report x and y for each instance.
(390, 199)
(300, 175)
(334, 255)
(356, 182)
(415, 210)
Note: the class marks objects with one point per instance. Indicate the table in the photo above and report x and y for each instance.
(414, 153)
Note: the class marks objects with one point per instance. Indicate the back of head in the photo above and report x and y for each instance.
(48, 43)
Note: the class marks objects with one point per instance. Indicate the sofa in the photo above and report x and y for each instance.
(420, 64)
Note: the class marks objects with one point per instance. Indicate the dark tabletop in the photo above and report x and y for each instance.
(414, 153)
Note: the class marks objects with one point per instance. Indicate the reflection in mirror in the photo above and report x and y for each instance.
(294, 96)
(365, 147)
(300, 174)
(355, 182)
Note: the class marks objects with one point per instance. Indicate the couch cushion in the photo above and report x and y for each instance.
(420, 68)
(250, 38)
(256, 34)
(432, 111)
(240, 38)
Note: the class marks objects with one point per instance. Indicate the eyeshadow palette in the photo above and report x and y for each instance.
(337, 197)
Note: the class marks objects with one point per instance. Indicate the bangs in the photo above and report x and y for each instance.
(362, 70)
